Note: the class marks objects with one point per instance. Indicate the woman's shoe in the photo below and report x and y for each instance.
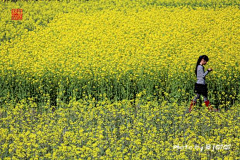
(208, 105)
(191, 106)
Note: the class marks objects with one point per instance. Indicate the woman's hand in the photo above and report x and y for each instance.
(209, 69)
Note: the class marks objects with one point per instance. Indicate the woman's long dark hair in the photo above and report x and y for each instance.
(199, 60)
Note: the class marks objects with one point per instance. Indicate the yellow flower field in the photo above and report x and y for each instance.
(112, 79)
(105, 130)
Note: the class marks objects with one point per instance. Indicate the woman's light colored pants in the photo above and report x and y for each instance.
(198, 96)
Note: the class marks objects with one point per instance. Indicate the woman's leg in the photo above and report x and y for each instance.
(205, 98)
(196, 97)
(193, 102)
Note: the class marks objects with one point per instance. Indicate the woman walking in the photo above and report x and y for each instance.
(200, 85)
